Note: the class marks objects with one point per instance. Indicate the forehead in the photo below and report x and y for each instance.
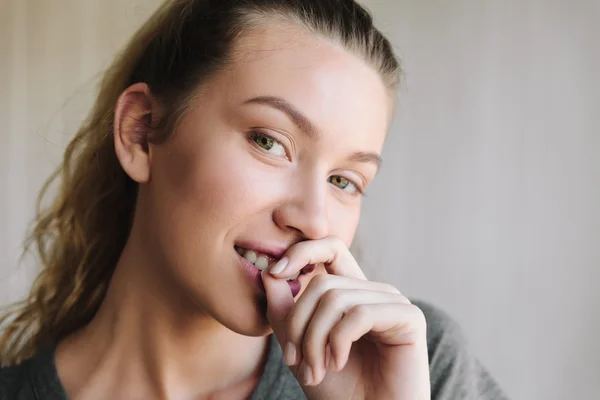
(339, 92)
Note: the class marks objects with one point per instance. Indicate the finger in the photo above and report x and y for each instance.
(279, 304)
(331, 251)
(332, 306)
(391, 324)
(298, 319)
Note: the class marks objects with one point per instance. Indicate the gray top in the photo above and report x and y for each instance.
(455, 373)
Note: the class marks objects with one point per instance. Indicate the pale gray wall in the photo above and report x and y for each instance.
(485, 204)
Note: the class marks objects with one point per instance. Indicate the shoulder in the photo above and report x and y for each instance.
(33, 379)
(455, 372)
(15, 382)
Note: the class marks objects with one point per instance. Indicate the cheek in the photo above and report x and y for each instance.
(344, 222)
(217, 186)
(204, 188)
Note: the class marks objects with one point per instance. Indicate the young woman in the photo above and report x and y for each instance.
(199, 241)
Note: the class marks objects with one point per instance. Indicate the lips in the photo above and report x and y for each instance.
(260, 260)
(254, 274)
(255, 258)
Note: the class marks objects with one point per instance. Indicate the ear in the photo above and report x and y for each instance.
(136, 114)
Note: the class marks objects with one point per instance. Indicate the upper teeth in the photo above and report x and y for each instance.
(261, 262)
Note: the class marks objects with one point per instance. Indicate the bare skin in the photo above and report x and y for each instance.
(181, 319)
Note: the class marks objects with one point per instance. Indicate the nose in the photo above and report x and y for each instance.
(304, 210)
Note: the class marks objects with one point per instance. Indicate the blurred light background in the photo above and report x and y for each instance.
(488, 201)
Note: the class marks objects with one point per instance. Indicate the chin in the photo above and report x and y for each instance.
(250, 321)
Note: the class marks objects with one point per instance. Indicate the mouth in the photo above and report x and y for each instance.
(260, 259)
(254, 259)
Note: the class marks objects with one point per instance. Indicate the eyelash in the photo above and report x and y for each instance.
(257, 132)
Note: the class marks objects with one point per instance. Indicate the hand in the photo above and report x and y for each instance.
(346, 337)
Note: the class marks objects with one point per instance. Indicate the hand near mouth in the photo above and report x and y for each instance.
(346, 337)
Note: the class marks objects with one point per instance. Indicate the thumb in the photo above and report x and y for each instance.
(279, 304)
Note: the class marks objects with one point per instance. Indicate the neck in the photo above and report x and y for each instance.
(143, 343)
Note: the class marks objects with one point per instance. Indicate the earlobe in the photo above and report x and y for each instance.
(135, 113)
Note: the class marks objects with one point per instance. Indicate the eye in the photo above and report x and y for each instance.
(268, 144)
(344, 183)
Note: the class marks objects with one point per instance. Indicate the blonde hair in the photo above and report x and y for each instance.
(80, 236)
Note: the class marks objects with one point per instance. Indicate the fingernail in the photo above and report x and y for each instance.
(289, 355)
(279, 266)
(306, 374)
(327, 357)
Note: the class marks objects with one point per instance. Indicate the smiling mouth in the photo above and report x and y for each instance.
(260, 260)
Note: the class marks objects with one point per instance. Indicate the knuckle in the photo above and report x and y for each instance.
(360, 312)
(335, 298)
(406, 300)
(337, 241)
(320, 283)
(418, 316)
(340, 247)
(391, 288)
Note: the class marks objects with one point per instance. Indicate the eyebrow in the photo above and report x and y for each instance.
(307, 127)
(364, 157)
(297, 118)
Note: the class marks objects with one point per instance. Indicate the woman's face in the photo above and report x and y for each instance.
(275, 150)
